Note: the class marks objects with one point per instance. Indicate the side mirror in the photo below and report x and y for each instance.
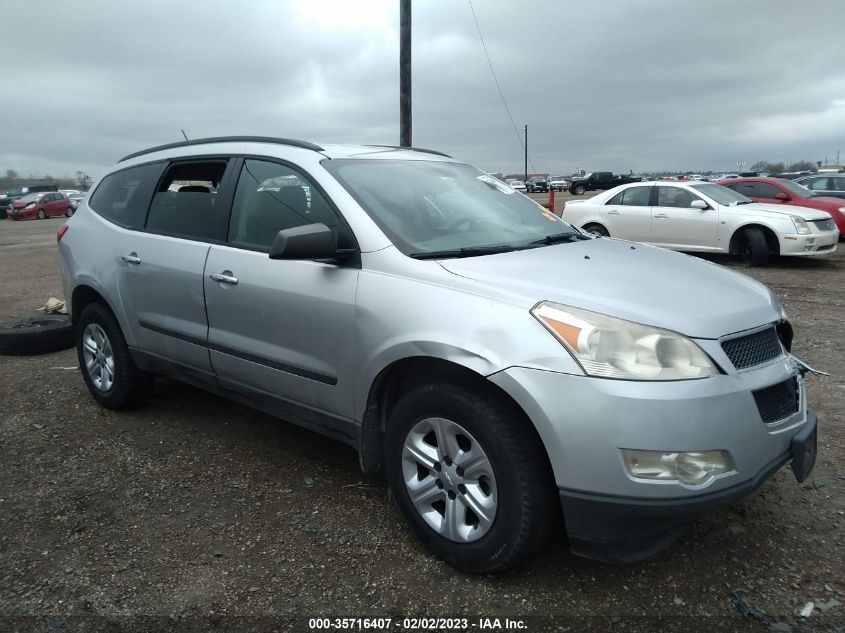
(783, 197)
(699, 204)
(310, 241)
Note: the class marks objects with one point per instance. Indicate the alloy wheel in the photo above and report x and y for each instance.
(99, 357)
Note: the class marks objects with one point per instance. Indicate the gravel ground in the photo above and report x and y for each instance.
(200, 511)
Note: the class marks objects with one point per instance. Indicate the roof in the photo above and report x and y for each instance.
(332, 151)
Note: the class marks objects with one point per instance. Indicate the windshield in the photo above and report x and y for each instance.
(432, 206)
(32, 197)
(799, 191)
(721, 194)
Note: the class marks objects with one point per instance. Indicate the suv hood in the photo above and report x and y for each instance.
(787, 210)
(631, 281)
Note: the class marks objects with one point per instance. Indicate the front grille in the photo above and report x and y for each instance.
(778, 401)
(825, 225)
(753, 349)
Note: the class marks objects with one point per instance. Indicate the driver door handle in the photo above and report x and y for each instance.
(131, 258)
(613, 212)
(225, 277)
(661, 216)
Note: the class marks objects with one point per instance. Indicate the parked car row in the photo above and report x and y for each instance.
(43, 205)
(706, 217)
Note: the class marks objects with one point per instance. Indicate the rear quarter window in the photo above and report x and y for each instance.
(124, 196)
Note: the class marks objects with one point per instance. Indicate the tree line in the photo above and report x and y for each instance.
(12, 178)
(779, 168)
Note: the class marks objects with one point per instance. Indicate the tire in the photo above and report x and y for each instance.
(514, 486)
(597, 229)
(107, 367)
(36, 335)
(753, 247)
(69, 211)
(579, 190)
(41, 214)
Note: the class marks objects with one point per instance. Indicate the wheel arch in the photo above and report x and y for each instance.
(86, 293)
(772, 240)
(405, 374)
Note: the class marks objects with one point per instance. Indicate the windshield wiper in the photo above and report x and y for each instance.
(559, 238)
(467, 251)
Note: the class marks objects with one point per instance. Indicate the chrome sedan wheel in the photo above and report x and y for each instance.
(99, 357)
(449, 479)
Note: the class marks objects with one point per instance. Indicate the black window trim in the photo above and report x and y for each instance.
(233, 172)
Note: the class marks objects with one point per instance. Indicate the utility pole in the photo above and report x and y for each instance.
(405, 73)
(526, 152)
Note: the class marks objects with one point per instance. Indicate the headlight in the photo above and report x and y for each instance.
(30, 205)
(841, 209)
(800, 225)
(689, 468)
(608, 347)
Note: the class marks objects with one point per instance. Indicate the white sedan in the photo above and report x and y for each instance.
(704, 217)
(517, 184)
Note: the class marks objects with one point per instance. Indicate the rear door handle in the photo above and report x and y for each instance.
(226, 277)
(613, 212)
(661, 216)
(131, 258)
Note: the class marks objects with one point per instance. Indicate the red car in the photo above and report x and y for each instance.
(782, 191)
(48, 204)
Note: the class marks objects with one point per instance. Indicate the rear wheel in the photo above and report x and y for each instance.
(579, 190)
(107, 367)
(41, 214)
(69, 211)
(753, 247)
(597, 229)
(470, 476)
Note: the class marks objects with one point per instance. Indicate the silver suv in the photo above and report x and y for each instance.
(501, 367)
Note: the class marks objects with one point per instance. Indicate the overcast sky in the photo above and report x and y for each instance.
(605, 85)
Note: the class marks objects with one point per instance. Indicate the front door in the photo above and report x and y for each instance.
(676, 224)
(284, 329)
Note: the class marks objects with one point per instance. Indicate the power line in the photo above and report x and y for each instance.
(498, 87)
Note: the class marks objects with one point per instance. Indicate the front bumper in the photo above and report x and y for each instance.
(584, 423)
(625, 530)
(817, 243)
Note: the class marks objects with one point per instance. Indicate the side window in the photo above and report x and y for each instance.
(617, 199)
(817, 184)
(124, 196)
(837, 183)
(765, 190)
(747, 189)
(184, 203)
(636, 196)
(674, 197)
(271, 197)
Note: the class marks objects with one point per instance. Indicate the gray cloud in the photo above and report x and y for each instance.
(605, 85)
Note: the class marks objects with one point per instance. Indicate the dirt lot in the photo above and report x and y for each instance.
(198, 510)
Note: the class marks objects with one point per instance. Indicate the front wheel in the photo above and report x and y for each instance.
(753, 247)
(41, 214)
(470, 476)
(597, 229)
(579, 190)
(107, 367)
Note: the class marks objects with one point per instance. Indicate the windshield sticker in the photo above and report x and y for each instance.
(498, 184)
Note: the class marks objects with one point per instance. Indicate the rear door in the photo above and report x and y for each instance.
(283, 329)
(675, 224)
(161, 267)
(627, 215)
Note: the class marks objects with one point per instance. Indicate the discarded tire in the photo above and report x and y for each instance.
(36, 335)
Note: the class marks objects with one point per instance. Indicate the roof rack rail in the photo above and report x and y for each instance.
(412, 149)
(227, 139)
